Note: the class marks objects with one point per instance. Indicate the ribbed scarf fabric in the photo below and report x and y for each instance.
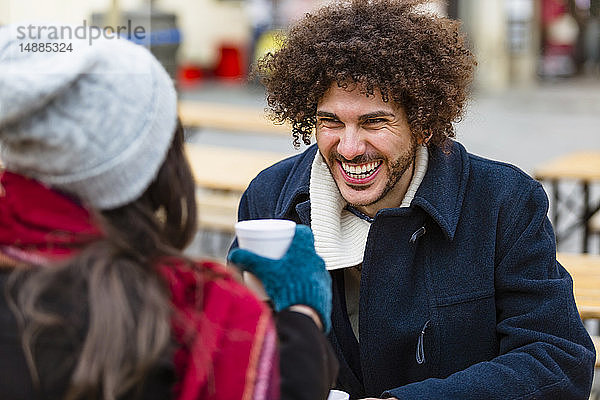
(232, 353)
(341, 236)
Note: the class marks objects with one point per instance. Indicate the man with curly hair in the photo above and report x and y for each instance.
(445, 278)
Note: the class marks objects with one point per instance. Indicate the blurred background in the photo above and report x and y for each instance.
(517, 42)
(535, 103)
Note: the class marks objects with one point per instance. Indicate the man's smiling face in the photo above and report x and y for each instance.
(368, 147)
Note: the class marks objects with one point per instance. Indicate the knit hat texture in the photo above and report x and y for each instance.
(95, 122)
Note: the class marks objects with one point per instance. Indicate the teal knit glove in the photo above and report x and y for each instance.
(299, 277)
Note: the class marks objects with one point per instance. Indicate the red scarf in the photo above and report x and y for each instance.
(226, 338)
(38, 224)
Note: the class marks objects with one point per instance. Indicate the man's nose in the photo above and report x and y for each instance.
(351, 143)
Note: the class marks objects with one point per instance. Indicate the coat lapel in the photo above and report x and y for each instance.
(442, 191)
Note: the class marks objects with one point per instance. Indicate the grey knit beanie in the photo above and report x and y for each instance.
(95, 122)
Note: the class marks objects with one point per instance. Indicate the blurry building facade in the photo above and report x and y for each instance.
(518, 42)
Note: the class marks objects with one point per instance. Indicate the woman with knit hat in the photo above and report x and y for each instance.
(96, 204)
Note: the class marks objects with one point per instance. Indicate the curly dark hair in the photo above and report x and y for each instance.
(418, 60)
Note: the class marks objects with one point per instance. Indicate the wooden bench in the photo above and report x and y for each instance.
(228, 117)
(217, 210)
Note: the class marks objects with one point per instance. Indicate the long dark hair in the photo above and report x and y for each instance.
(126, 312)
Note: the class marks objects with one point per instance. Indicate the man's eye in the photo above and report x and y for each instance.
(373, 121)
(329, 121)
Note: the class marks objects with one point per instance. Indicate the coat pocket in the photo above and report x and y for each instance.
(464, 330)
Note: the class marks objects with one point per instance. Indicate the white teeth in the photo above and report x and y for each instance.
(360, 171)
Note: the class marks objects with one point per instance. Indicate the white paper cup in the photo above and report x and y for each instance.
(269, 238)
(266, 237)
(338, 395)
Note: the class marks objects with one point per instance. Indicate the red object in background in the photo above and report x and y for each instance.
(231, 62)
(552, 9)
(189, 75)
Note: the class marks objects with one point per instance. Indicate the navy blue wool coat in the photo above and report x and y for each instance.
(461, 296)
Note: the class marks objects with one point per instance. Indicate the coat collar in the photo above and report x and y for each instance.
(295, 191)
(440, 195)
(442, 191)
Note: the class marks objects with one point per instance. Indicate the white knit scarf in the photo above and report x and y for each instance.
(341, 236)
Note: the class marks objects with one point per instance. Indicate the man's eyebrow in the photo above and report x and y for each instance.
(326, 114)
(376, 114)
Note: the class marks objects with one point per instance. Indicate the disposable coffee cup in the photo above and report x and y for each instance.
(268, 238)
(338, 395)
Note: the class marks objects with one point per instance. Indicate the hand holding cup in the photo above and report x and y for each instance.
(299, 277)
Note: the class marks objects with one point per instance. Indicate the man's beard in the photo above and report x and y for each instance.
(397, 169)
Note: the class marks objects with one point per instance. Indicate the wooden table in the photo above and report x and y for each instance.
(229, 117)
(221, 175)
(583, 168)
(228, 168)
(585, 270)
